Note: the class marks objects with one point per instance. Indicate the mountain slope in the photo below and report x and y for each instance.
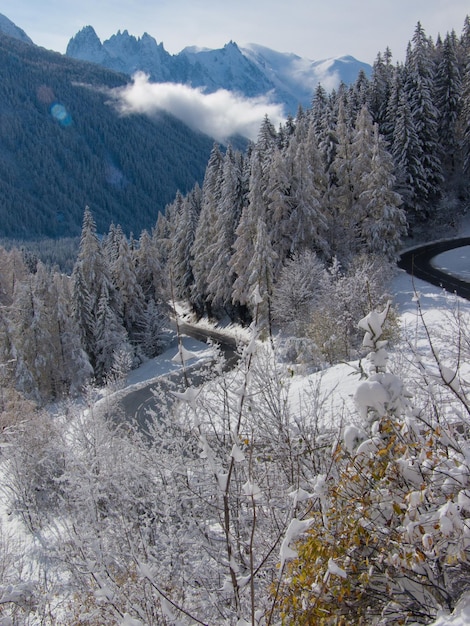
(63, 146)
(252, 70)
(12, 30)
(298, 77)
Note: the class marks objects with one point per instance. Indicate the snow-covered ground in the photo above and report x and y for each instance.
(459, 617)
(338, 383)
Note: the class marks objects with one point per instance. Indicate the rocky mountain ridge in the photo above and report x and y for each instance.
(251, 71)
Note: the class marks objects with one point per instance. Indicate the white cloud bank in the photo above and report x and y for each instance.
(220, 115)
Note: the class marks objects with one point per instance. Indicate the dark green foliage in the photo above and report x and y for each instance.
(59, 253)
(56, 161)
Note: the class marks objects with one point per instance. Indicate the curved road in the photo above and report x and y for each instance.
(137, 405)
(157, 394)
(417, 262)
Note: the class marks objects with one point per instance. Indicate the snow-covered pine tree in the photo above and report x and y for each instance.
(382, 223)
(246, 232)
(30, 337)
(407, 154)
(205, 236)
(319, 112)
(342, 191)
(380, 90)
(266, 141)
(109, 335)
(232, 199)
(131, 296)
(75, 366)
(308, 222)
(419, 86)
(464, 122)
(358, 95)
(93, 291)
(361, 164)
(150, 332)
(184, 234)
(396, 91)
(280, 201)
(162, 235)
(14, 270)
(43, 338)
(261, 278)
(148, 269)
(448, 89)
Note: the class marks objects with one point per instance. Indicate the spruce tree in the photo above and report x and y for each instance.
(180, 262)
(381, 89)
(246, 234)
(206, 235)
(448, 101)
(149, 272)
(419, 87)
(382, 221)
(464, 122)
(342, 192)
(131, 296)
(260, 277)
(110, 337)
(232, 199)
(93, 291)
(407, 152)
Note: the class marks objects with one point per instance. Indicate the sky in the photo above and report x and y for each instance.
(312, 29)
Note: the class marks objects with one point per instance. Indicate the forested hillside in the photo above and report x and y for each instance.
(63, 146)
(352, 175)
(312, 211)
(256, 498)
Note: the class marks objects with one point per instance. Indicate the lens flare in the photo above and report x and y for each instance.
(60, 113)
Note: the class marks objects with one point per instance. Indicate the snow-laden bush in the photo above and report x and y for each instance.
(316, 307)
(184, 525)
(344, 296)
(389, 539)
(186, 522)
(296, 292)
(33, 466)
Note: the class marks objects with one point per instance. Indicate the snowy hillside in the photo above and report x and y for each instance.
(125, 472)
(298, 77)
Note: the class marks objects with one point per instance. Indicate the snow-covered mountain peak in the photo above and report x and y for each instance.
(85, 46)
(194, 49)
(251, 70)
(7, 27)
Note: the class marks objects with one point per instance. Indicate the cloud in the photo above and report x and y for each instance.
(220, 115)
(302, 74)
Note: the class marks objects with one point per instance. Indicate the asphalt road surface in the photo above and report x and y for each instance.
(138, 406)
(157, 396)
(418, 262)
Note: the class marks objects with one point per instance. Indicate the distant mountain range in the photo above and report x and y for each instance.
(252, 70)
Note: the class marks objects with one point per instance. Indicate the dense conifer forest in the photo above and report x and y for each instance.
(237, 507)
(65, 146)
(350, 177)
